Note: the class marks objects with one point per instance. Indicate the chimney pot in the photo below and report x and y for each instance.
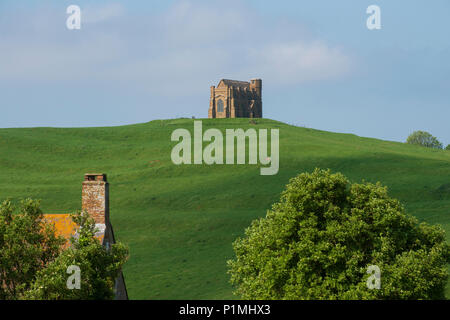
(95, 177)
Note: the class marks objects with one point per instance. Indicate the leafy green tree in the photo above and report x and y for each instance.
(27, 244)
(448, 147)
(98, 266)
(425, 139)
(33, 263)
(318, 241)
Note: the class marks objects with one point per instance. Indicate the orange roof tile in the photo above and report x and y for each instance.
(65, 227)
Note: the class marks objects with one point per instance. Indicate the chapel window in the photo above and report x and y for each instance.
(220, 105)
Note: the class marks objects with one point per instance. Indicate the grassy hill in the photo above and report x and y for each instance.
(180, 221)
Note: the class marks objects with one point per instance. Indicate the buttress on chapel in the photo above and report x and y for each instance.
(236, 99)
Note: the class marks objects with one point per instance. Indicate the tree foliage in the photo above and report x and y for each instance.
(425, 139)
(33, 264)
(99, 267)
(27, 244)
(447, 147)
(319, 239)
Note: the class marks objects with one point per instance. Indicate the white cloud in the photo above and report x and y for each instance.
(95, 14)
(300, 61)
(190, 44)
(186, 23)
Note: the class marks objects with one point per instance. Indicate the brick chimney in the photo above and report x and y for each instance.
(95, 197)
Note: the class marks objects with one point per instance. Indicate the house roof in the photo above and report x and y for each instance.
(234, 83)
(66, 228)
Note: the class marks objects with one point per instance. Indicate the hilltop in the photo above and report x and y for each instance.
(180, 221)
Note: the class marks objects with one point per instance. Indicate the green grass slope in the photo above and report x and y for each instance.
(180, 221)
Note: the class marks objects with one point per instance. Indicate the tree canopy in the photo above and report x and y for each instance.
(320, 239)
(425, 139)
(34, 265)
(27, 244)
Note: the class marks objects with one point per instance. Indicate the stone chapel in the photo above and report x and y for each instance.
(236, 99)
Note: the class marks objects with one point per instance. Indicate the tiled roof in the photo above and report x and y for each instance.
(66, 228)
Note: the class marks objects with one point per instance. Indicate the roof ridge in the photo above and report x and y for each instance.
(235, 82)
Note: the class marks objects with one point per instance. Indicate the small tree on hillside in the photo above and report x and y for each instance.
(319, 240)
(425, 139)
(448, 147)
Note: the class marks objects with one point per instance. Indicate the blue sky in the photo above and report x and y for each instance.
(135, 61)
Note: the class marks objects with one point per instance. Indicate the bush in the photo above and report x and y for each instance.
(319, 239)
(448, 147)
(424, 139)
